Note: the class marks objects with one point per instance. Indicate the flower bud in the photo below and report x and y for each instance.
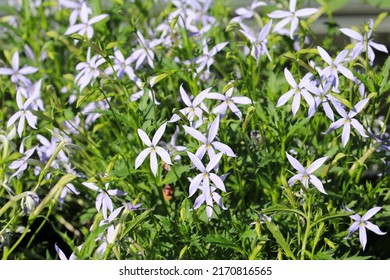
(29, 202)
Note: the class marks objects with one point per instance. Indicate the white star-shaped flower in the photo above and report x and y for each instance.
(152, 149)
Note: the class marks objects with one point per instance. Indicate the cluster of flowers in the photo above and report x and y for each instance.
(193, 16)
(322, 90)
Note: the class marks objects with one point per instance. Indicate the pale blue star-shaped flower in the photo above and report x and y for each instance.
(24, 113)
(364, 42)
(302, 89)
(194, 108)
(89, 70)
(103, 202)
(202, 180)
(247, 12)
(335, 65)
(260, 42)
(152, 149)
(362, 223)
(347, 120)
(305, 174)
(292, 16)
(208, 143)
(21, 163)
(17, 73)
(85, 27)
(228, 101)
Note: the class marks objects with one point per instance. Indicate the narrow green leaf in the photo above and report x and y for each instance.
(274, 229)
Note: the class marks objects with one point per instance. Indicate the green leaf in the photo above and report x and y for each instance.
(298, 126)
(137, 220)
(114, 113)
(223, 242)
(111, 45)
(174, 174)
(381, 16)
(173, 22)
(156, 79)
(274, 229)
(183, 251)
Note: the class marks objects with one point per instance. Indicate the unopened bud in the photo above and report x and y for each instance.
(29, 202)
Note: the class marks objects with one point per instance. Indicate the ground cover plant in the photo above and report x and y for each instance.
(192, 130)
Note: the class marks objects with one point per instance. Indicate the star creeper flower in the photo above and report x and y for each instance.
(122, 67)
(291, 16)
(146, 51)
(362, 223)
(301, 89)
(103, 199)
(247, 12)
(206, 59)
(324, 97)
(21, 164)
(89, 70)
(335, 66)
(209, 199)
(364, 44)
(208, 144)
(202, 180)
(195, 108)
(152, 149)
(16, 73)
(76, 7)
(305, 174)
(228, 102)
(23, 114)
(260, 43)
(86, 24)
(347, 120)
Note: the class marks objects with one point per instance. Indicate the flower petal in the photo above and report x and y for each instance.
(196, 161)
(153, 162)
(317, 183)
(353, 228)
(363, 236)
(352, 33)
(371, 213)
(213, 129)
(159, 133)
(217, 182)
(285, 97)
(316, 164)
(194, 185)
(195, 133)
(296, 164)
(306, 12)
(15, 61)
(184, 96)
(224, 148)
(358, 107)
(374, 228)
(144, 137)
(335, 125)
(358, 127)
(213, 162)
(290, 78)
(164, 155)
(346, 133)
(218, 199)
(97, 19)
(325, 56)
(141, 157)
